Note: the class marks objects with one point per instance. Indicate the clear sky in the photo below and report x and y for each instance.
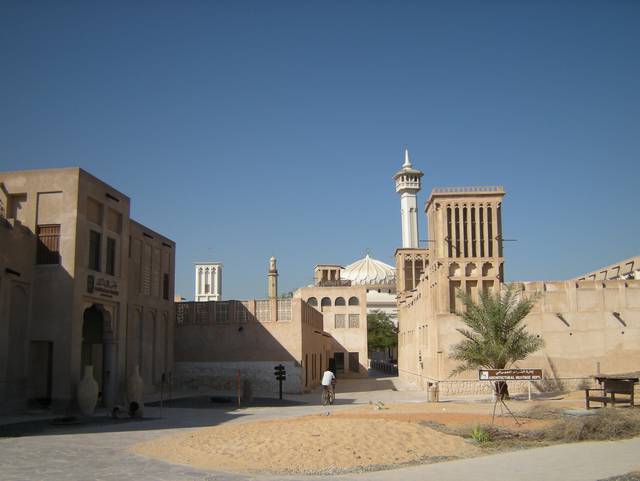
(243, 130)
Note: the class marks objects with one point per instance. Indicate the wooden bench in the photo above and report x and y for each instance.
(612, 386)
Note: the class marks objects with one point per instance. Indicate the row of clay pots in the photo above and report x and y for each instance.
(88, 391)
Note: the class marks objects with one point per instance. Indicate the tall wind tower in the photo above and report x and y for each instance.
(407, 185)
(273, 278)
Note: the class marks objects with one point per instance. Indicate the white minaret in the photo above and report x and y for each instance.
(208, 281)
(408, 185)
(273, 278)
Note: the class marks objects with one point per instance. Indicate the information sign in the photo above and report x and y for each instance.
(510, 374)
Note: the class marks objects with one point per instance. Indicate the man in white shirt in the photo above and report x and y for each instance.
(328, 381)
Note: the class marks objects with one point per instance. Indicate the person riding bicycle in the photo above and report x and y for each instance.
(328, 382)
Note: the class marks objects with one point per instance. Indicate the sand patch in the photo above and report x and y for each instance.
(450, 416)
(309, 444)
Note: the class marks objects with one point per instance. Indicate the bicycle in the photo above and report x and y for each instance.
(328, 396)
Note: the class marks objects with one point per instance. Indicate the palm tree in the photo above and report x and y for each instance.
(494, 337)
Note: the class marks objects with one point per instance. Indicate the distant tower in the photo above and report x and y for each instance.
(273, 278)
(408, 185)
(208, 281)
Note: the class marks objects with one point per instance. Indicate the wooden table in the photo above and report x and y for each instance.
(612, 384)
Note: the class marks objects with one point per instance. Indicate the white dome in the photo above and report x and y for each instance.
(369, 271)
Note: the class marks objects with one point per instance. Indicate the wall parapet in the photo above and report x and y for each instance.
(239, 312)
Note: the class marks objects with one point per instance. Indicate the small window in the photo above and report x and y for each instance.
(312, 301)
(354, 320)
(94, 250)
(339, 321)
(340, 301)
(48, 251)
(111, 256)
(353, 301)
(325, 302)
(165, 286)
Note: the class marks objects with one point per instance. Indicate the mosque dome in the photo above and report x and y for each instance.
(369, 271)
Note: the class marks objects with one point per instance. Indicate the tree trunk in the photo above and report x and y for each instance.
(502, 390)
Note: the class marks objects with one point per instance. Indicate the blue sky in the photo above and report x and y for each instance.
(248, 129)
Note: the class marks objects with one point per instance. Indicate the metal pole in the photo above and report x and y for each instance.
(161, 393)
(238, 386)
(280, 382)
(529, 390)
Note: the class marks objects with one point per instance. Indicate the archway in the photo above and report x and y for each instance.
(97, 350)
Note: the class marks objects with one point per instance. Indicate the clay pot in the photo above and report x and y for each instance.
(88, 392)
(135, 390)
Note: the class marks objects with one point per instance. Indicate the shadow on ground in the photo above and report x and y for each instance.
(185, 412)
(155, 419)
(224, 402)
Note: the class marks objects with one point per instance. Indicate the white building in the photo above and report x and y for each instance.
(208, 281)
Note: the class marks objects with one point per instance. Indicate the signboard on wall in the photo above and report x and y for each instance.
(510, 374)
(103, 287)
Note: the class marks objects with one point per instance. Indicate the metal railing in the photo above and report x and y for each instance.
(384, 366)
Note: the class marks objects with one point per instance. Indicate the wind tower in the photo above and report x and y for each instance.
(208, 281)
(273, 278)
(408, 182)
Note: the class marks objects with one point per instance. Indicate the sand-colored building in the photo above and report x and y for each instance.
(219, 341)
(344, 310)
(81, 283)
(216, 341)
(626, 269)
(589, 326)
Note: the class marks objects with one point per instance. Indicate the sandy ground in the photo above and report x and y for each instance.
(308, 444)
(362, 438)
(466, 415)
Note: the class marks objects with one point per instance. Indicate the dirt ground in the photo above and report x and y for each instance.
(308, 444)
(366, 437)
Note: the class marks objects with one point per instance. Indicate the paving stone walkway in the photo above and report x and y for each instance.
(100, 452)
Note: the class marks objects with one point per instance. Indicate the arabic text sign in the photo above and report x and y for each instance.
(510, 374)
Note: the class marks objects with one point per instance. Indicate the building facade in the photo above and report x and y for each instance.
(589, 326)
(344, 310)
(218, 341)
(626, 269)
(208, 281)
(80, 284)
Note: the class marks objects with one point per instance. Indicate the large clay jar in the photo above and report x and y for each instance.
(88, 392)
(135, 390)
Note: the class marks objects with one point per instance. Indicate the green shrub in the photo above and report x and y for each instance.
(480, 435)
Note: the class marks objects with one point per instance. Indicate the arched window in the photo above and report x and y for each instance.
(312, 301)
(325, 302)
(339, 301)
(353, 301)
(454, 270)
